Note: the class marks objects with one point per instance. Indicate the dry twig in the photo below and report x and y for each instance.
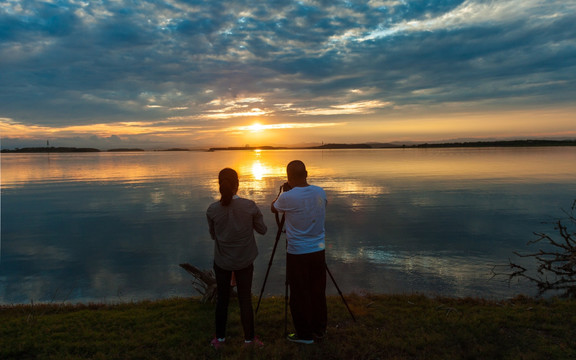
(556, 266)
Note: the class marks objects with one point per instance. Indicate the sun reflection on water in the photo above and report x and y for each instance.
(258, 167)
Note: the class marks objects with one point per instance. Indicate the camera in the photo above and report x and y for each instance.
(286, 187)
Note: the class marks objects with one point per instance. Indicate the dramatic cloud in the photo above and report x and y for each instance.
(185, 72)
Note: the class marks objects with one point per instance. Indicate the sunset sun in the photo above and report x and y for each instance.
(256, 127)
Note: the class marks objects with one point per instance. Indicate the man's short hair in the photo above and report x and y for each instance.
(296, 169)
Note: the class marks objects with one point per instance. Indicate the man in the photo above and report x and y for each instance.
(304, 206)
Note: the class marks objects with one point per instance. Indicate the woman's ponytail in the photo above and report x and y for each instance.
(228, 180)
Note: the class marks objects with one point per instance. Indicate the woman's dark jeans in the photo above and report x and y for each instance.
(244, 286)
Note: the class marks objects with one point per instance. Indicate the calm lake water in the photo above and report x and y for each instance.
(112, 227)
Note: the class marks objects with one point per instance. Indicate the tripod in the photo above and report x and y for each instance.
(280, 224)
(278, 235)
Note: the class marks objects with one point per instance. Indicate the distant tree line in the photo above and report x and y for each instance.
(503, 143)
(507, 143)
(49, 150)
(63, 150)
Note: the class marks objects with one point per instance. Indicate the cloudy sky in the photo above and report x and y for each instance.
(153, 74)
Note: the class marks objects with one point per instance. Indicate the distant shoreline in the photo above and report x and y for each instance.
(508, 143)
(78, 150)
(50, 150)
(474, 144)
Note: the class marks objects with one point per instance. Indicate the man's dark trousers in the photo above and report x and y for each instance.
(307, 280)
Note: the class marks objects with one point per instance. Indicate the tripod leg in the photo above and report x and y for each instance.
(286, 308)
(286, 283)
(340, 292)
(266, 277)
(278, 234)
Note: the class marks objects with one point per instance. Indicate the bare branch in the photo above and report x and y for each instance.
(555, 266)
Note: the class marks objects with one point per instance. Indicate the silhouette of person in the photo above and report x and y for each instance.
(304, 206)
(232, 222)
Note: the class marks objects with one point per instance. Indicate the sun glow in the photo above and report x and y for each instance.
(256, 127)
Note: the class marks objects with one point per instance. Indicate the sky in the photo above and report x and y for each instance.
(186, 73)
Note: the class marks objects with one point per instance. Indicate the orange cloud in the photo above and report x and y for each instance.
(13, 129)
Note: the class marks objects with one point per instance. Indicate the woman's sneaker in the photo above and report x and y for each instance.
(254, 343)
(296, 339)
(217, 343)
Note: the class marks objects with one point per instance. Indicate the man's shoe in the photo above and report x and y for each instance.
(319, 337)
(294, 338)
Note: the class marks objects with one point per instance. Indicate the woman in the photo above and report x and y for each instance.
(232, 222)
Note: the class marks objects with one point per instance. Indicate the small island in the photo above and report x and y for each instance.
(64, 150)
(50, 150)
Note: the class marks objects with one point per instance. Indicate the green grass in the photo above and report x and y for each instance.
(387, 327)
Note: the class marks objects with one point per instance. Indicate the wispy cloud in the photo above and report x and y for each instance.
(224, 114)
(361, 107)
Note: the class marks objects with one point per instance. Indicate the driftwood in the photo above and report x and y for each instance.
(204, 282)
(556, 262)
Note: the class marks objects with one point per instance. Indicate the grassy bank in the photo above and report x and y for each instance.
(387, 327)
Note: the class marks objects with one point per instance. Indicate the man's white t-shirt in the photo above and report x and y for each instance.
(305, 209)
